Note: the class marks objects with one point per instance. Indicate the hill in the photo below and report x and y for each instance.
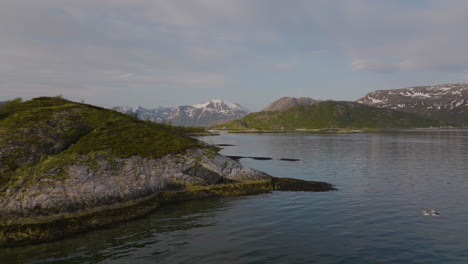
(45, 131)
(447, 103)
(331, 114)
(285, 103)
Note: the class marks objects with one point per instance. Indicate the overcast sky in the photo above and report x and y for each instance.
(174, 52)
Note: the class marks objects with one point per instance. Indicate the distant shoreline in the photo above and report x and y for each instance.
(325, 130)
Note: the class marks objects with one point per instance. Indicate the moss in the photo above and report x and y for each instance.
(210, 152)
(224, 165)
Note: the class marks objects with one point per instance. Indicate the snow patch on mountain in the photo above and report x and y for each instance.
(447, 96)
(207, 113)
(210, 112)
(446, 102)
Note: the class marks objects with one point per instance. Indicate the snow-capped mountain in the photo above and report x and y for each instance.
(210, 112)
(447, 102)
(156, 115)
(207, 113)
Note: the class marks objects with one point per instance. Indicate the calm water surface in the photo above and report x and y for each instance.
(384, 179)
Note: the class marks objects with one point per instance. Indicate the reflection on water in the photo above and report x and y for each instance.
(123, 240)
(384, 179)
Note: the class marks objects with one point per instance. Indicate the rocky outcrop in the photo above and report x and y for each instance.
(119, 180)
(109, 190)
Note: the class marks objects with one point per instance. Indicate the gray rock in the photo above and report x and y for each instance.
(121, 180)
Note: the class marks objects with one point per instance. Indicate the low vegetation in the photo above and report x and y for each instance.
(330, 114)
(44, 133)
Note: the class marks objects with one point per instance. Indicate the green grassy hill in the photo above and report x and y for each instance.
(43, 134)
(330, 114)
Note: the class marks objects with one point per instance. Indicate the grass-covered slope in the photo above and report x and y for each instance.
(44, 133)
(330, 114)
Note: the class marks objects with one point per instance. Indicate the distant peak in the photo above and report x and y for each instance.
(217, 102)
(285, 103)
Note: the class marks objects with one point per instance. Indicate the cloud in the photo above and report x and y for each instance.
(66, 47)
(382, 66)
(388, 36)
(88, 47)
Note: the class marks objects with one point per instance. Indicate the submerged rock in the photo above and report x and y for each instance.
(290, 184)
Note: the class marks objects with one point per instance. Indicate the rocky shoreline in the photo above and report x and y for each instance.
(116, 190)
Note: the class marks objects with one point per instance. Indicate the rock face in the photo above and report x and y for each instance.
(110, 181)
(285, 103)
(446, 103)
(204, 114)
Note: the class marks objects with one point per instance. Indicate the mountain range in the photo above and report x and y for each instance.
(156, 115)
(447, 103)
(208, 113)
(420, 106)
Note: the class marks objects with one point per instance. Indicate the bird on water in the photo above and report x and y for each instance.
(431, 212)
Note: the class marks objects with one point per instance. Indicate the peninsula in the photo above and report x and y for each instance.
(68, 167)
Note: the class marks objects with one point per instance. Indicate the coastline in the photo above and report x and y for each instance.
(38, 229)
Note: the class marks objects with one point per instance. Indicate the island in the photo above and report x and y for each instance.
(68, 167)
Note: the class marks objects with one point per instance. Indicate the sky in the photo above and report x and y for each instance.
(181, 52)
